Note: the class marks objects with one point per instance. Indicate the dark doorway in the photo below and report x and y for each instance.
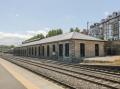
(82, 49)
(48, 50)
(35, 51)
(96, 50)
(53, 48)
(32, 51)
(39, 51)
(42, 50)
(61, 50)
(67, 49)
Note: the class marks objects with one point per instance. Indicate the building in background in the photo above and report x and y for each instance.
(84, 31)
(108, 28)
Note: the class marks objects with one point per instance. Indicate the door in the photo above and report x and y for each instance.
(82, 50)
(48, 50)
(96, 50)
(60, 50)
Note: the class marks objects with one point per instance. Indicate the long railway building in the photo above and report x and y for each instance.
(69, 47)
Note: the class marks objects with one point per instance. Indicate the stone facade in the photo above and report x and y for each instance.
(74, 50)
(89, 48)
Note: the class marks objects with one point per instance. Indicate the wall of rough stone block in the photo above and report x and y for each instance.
(89, 48)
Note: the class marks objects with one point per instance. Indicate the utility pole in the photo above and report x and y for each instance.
(87, 26)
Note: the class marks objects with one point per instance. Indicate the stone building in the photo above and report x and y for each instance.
(70, 47)
(108, 28)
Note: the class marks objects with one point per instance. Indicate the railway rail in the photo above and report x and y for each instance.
(75, 74)
(115, 70)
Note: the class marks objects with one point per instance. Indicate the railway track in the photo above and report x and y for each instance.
(115, 70)
(104, 68)
(102, 80)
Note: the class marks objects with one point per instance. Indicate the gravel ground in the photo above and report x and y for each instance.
(79, 84)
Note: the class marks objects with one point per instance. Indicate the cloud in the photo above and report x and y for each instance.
(13, 35)
(11, 41)
(7, 38)
(31, 32)
(106, 13)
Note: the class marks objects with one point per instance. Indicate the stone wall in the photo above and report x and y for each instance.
(51, 56)
(74, 50)
(89, 48)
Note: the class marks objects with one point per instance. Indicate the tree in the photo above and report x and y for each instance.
(54, 32)
(74, 30)
(36, 37)
(77, 29)
(71, 29)
(40, 36)
(12, 46)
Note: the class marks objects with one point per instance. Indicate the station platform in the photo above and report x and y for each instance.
(16, 77)
(7, 81)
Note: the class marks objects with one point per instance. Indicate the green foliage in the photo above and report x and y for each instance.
(4, 48)
(38, 36)
(11, 46)
(54, 32)
(71, 29)
(74, 29)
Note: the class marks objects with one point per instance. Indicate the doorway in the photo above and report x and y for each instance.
(60, 50)
(96, 50)
(82, 50)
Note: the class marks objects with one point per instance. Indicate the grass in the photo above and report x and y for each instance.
(117, 62)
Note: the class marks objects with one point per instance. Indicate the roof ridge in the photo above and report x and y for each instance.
(64, 36)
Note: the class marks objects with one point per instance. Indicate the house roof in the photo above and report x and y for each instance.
(66, 36)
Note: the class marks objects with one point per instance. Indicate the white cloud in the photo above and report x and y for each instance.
(13, 35)
(106, 13)
(16, 38)
(31, 32)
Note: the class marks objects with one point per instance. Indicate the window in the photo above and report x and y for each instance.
(42, 50)
(67, 49)
(60, 50)
(39, 51)
(48, 50)
(53, 48)
(96, 50)
(82, 49)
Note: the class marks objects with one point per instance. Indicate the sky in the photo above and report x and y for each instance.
(21, 19)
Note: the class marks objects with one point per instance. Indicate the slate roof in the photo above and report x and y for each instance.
(66, 36)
